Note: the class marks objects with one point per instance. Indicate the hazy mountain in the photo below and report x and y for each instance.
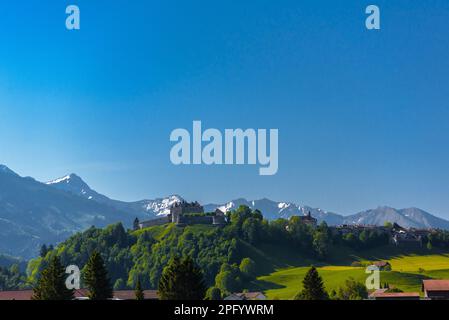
(33, 213)
(142, 209)
(409, 218)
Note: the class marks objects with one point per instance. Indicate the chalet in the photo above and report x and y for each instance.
(382, 294)
(246, 296)
(436, 289)
(382, 265)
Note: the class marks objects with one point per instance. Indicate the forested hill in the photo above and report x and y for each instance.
(230, 256)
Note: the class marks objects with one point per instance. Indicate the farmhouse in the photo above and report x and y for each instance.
(436, 289)
(383, 265)
(246, 296)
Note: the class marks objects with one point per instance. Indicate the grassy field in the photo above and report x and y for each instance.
(282, 270)
(408, 271)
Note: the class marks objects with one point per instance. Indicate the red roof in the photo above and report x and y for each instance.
(79, 294)
(131, 295)
(436, 285)
(381, 263)
(383, 294)
(250, 295)
(16, 295)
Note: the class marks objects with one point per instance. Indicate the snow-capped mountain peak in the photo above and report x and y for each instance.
(74, 184)
(161, 207)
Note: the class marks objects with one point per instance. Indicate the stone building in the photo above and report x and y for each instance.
(309, 220)
(183, 214)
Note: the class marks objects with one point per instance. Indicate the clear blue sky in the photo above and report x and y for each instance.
(363, 116)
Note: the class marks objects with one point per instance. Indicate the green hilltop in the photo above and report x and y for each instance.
(250, 253)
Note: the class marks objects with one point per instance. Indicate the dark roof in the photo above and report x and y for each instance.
(435, 285)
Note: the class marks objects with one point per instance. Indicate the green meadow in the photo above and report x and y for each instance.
(409, 268)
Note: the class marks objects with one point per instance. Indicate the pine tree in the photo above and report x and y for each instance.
(213, 293)
(51, 284)
(96, 278)
(138, 291)
(43, 252)
(136, 224)
(313, 287)
(182, 280)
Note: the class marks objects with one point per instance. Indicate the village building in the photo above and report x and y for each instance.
(246, 296)
(309, 220)
(436, 289)
(407, 239)
(81, 294)
(382, 265)
(382, 294)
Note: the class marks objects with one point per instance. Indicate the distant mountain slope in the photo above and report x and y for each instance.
(33, 213)
(142, 209)
(408, 218)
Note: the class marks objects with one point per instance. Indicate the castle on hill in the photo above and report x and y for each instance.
(185, 213)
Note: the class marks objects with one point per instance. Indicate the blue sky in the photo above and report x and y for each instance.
(362, 115)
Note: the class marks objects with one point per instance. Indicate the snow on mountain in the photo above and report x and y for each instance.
(275, 210)
(160, 207)
(74, 184)
(143, 209)
(33, 213)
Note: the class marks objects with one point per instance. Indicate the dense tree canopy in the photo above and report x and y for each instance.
(182, 279)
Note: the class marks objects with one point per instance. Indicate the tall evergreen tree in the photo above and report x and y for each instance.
(96, 278)
(182, 280)
(43, 252)
(138, 291)
(51, 284)
(313, 287)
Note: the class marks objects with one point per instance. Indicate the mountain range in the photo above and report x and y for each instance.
(33, 213)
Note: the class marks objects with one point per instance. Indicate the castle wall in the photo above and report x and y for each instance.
(181, 215)
(155, 222)
(195, 220)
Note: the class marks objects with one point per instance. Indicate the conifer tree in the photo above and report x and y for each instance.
(313, 287)
(96, 278)
(182, 280)
(51, 285)
(43, 252)
(138, 291)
